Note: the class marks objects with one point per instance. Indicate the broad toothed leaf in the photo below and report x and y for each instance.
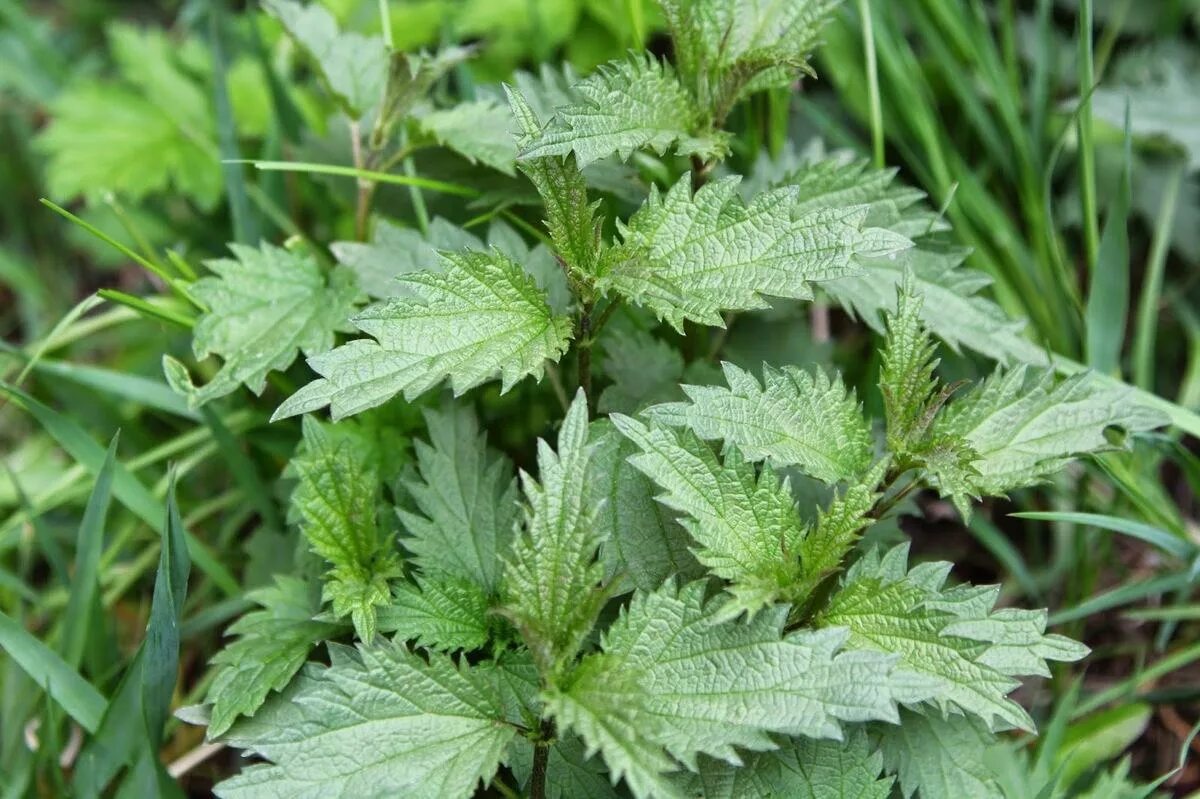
(643, 542)
(691, 256)
(795, 419)
(394, 251)
(1024, 425)
(335, 504)
(890, 608)
(482, 317)
(906, 376)
(273, 643)
(802, 768)
(477, 130)
(467, 502)
(643, 368)
(627, 105)
(938, 757)
(378, 722)
(836, 530)
(354, 66)
(552, 579)
(440, 613)
(264, 305)
(673, 682)
(747, 525)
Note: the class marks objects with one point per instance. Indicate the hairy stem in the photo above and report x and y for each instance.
(700, 171)
(366, 188)
(541, 757)
(584, 355)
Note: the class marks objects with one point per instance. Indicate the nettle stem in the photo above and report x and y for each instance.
(541, 759)
(584, 354)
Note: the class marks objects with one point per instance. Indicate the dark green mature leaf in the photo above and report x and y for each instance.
(354, 66)
(467, 498)
(379, 722)
(644, 369)
(802, 768)
(264, 305)
(481, 317)
(793, 419)
(941, 757)
(552, 581)
(625, 106)
(691, 256)
(673, 682)
(948, 635)
(273, 643)
(75, 695)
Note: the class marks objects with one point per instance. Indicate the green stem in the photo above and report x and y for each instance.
(1147, 318)
(584, 355)
(1087, 154)
(876, 110)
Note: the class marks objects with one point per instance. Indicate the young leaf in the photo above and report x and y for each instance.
(836, 530)
(628, 105)
(941, 757)
(442, 613)
(273, 643)
(467, 498)
(335, 503)
(378, 722)
(263, 306)
(481, 317)
(410, 77)
(552, 581)
(794, 419)
(890, 608)
(1024, 425)
(803, 768)
(672, 682)
(354, 66)
(747, 526)
(906, 377)
(570, 218)
(691, 256)
(642, 541)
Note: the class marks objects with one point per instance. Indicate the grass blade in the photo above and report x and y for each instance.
(1143, 532)
(1108, 296)
(366, 174)
(76, 695)
(1156, 263)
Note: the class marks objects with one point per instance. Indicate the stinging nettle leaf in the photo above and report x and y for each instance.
(794, 418)
(440, 613)
(378, 722)
(688, 255)
(673, 682)
(941, 757)
(477, 130)
(482, 317)
(627, 105)
(264, 305)
(553, 578)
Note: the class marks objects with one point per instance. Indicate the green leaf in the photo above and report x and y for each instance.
(378, 722)
(152, 131)
(394, 251)
(481, 317)
(273, 643)
(410, 78)
(552, 581)
(730, 49)
(476, 130)
(1160, 108)
(803, 768)
(467, 502)
(354, 66)
(160, 648)
(570, 218)
(642, 541)
(836, 530)
(672, 682)
(906, 377)
(264, 305)
(941, 757)
(1024, 425)
(747, 525)
(76, 695)
(948, 635)
(644, 369)
(633, 104)
(335, 503)
(793, 419)
(443, 613)
(691, 256)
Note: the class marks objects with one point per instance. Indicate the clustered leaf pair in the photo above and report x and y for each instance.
(649, 613)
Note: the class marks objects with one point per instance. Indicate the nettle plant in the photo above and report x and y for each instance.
(659, 611)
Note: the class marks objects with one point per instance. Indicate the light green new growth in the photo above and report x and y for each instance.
(906, 377)
(625, 106)
(335, 503)
(442, 613)
(273, 643)
(354, 66)
(795, 418)
(890, 608)
(672, 682)
(692, 256)
(1024, 425)
(378, 722)
(263, 306)
(802, 768)
(482, 317)
(552, 581)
